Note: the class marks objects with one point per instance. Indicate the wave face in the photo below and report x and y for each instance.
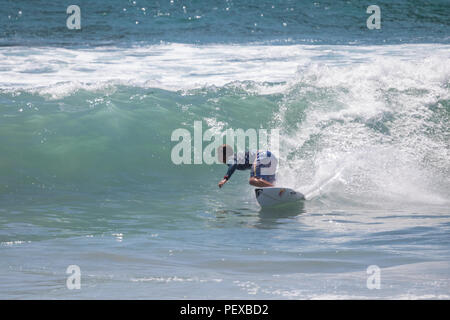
(354, 123)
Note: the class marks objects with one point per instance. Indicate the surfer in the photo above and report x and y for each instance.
(256, 161)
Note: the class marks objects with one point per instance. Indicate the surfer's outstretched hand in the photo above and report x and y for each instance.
(222, 182)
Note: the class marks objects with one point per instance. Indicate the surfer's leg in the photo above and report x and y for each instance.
(258, 182)
(263, 170)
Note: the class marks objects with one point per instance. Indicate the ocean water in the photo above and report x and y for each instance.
(86, 176)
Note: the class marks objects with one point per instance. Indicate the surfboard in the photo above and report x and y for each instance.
(275, 196)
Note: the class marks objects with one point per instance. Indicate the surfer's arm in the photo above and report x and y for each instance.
(231, 169)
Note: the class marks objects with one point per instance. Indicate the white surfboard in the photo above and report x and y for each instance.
(274, 196)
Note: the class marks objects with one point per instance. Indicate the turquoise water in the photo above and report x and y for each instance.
(86, 176)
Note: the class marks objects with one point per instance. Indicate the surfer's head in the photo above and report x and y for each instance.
(224, 152)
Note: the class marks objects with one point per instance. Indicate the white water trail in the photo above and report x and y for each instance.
(373, 132)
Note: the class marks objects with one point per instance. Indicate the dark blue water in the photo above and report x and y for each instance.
(122, 22)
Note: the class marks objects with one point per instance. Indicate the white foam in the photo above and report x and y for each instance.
(59, 71)
(336, 149)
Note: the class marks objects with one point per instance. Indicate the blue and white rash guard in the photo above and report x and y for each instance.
(246, 161)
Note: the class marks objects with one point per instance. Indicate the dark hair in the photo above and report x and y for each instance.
(224, 152)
